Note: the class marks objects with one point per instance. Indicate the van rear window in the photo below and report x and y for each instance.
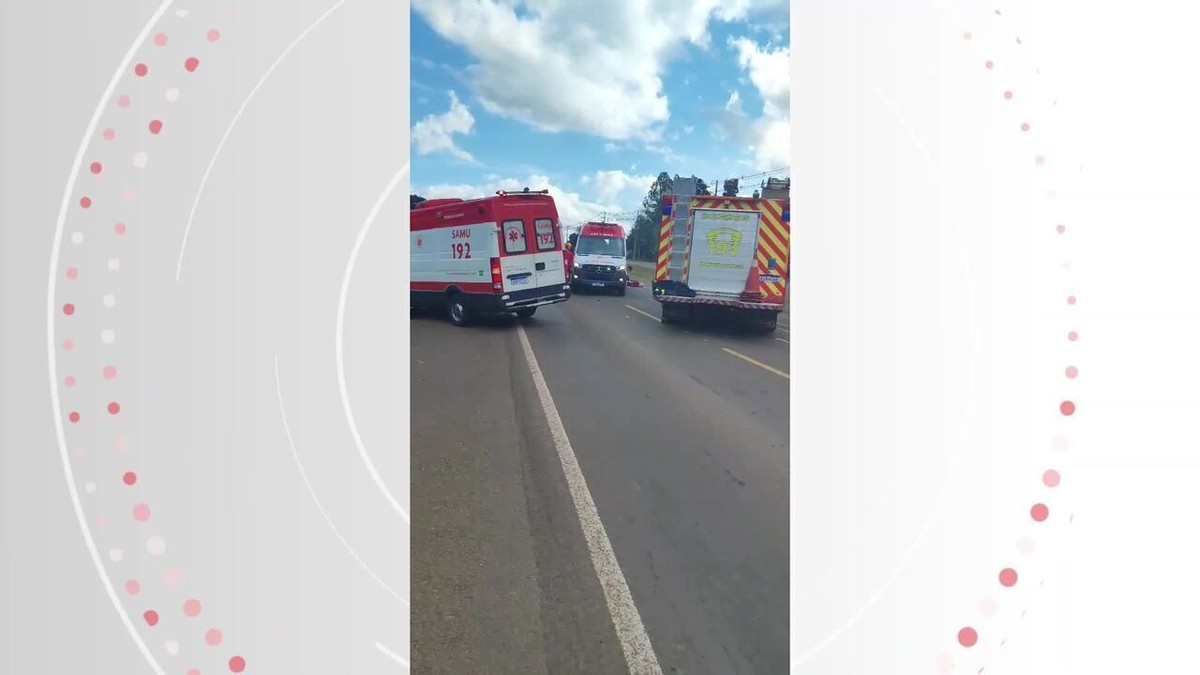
(546, 239)
(514, 236)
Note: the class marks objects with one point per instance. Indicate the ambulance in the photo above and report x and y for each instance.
(495, 255)
(599, 258)
(724, 256)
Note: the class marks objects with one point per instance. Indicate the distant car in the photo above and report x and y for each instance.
(496, 255)
(600, 258)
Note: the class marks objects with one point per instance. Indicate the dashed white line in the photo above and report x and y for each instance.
(635, 642)
(648, 315)
(392, 655)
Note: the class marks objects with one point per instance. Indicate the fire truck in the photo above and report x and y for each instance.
(724, 256)
(495, 255)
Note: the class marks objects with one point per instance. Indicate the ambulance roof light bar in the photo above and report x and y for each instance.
(526, 191)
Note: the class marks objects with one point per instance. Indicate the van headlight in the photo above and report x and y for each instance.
(577, 265)
(620, 268)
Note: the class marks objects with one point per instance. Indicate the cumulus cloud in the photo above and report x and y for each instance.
(618, 187)
(769, 70)
(593, 67)
(608, 194)
(436, 133)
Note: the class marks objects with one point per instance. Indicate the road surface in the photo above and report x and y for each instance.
(682, 438)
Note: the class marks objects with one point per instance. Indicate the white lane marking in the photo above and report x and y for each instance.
(760, 364)
(635, 642)
(783, 341)
(648, 315)
(287, 430)
(392, 655)
(232, 123)
(55, 402)
(338, 342)
(783, 328)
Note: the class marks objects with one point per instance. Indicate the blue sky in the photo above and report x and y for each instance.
(593, 100)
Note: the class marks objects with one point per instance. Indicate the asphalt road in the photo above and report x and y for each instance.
(682, 437)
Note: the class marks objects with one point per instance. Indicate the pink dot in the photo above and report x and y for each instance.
(141, 70)
(151, 617)
(86, 202)
(1060, 229)
(68, 345)
(967, 35)
(1008, 577)
(967, 637)
(74, 417)
(160, 39)
(1072, 336)
(110, 372)
(132, 587)
(121, 443)
(237, 664)
(141, 513)
(129, 194)
(114, 408)
(68, 309)
(156, 126)
(102, 522)
(1072, 372)
(988, 65)
(70, 381)
(124, 101)
(1039, 512)
(119, 228)
(1067, 408)
(1039, 160)
(1025, 126)
(214, 35)
(192, 607)
(109, 134)
(72, 273)
(1051, 478)
(1008, 95)
(193, 671)
(1070, 299)
(96, 167)
(130, 478)
(213, 637)
(192, 63)
(173, 578)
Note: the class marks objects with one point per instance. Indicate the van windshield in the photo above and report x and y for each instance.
(611, 246)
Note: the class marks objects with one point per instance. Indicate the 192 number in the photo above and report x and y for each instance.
(461, 250)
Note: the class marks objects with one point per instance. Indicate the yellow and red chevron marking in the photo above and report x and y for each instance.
(664, 247)
(773, 243)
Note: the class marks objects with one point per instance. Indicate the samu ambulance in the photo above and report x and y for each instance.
(495, 255)
(600, 258)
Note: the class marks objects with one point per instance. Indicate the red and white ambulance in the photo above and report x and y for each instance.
(494, 255)
(599, 260)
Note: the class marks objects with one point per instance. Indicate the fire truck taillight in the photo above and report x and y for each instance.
(497, 279)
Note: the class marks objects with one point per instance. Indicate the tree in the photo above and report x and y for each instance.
(413, 200)
(643, 239)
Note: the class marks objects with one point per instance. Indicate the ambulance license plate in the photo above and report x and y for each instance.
(520, 281)
(598, 283)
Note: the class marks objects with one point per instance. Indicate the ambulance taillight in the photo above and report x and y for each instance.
(497, 278)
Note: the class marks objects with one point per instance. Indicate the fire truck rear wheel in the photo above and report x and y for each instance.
(456, 307)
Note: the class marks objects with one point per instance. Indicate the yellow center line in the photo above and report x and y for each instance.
(758, 363)
(645, 314)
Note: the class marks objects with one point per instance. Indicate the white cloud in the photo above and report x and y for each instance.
(619, 187)
(573, 207)
(436, 133)
(769, 70)
(593, 67)
(610, 147)
(687, 130)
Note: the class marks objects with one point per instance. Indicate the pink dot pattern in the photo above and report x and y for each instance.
(1039, 513)
(94, 411)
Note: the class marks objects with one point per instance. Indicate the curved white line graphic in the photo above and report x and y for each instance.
(221, 145)
(391, 654)
(54, 399)
(341, 320)
(287, 430)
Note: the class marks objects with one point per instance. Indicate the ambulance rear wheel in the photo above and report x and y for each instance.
(525, 313)
(456, 307)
